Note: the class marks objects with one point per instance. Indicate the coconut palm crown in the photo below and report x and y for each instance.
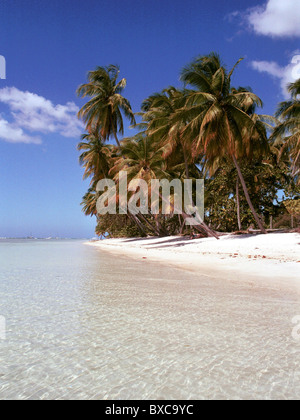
(103, 112)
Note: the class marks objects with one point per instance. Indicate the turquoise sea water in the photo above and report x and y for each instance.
(83, 324)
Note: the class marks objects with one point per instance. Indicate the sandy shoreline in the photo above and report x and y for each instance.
(275, 256)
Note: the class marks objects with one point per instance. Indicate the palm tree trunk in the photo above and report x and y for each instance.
(182, 226)
(115, 134)
(256, 217)
(138, 223)
(209, 231)
(116, 138)
(157, 223)
(160, 227)
(202, 227)
(238, 209)
(187, 172)
(154, 230)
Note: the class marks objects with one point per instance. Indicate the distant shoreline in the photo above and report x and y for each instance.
(41, 239)
(274, 257)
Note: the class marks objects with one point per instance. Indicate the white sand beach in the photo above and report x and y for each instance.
(275, 256)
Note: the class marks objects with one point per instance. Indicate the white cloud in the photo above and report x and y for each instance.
(277, 18)
(286, 75)
(269, 67)
(36, 114)
(14, 134)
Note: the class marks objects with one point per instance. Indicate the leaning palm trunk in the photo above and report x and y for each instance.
(138, 223)
(116, 137)
(204, 226)
(271, 222)
(238, 207)
(256, 217)
(160, 226)
(182, 226)
(156, 230)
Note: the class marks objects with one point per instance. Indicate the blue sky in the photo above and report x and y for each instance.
(50, 46)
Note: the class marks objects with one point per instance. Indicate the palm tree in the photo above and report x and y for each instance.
(103, 112)
(287, 133)
(95, 157)
(218, 123)
(158, 111)
(89, 203)
(141, 159)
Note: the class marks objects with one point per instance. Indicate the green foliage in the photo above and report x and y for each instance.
(116, 226)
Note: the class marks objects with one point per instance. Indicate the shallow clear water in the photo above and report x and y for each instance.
(83, 324)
